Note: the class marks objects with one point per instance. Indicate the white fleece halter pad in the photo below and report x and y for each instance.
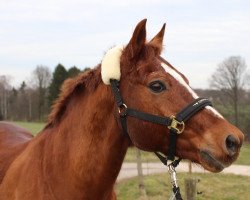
(110, 68)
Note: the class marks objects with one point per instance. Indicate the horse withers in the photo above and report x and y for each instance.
(79, 153)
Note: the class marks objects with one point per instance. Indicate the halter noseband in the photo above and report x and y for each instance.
(176, 125)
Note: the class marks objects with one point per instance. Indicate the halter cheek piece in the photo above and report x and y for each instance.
(176, 125)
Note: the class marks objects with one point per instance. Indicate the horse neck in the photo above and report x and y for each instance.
(89, 142)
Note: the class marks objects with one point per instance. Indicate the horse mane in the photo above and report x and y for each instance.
(88, 80)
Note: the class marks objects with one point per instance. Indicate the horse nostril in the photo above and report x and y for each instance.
(232, 145)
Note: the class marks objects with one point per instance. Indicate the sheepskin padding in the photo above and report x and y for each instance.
(110, 68)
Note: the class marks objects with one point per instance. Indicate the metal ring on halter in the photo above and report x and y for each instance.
(176, 125)
(122, 110)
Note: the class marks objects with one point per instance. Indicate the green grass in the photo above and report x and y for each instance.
(33, 127)
(244, 158)
(146, 156)
(212, 186)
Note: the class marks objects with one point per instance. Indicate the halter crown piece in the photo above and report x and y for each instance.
(176, 124)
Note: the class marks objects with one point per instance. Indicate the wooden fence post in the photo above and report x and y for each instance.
(143, 194)
(190, 188)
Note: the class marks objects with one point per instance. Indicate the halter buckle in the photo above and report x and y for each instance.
(122, 110)
(176, 125)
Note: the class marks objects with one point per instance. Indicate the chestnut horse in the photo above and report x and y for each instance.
(79, 153)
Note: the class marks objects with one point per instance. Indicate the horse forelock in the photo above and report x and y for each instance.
(72, 86)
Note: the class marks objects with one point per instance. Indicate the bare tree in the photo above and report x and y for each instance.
(230, 78)
(41, 78)
(22, 102)
(4, 88)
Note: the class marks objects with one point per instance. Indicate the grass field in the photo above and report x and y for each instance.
(33, 127)
(212, 186)
(244, 158)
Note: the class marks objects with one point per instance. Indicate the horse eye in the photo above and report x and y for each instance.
(157, 86)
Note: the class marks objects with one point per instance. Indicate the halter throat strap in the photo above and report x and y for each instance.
(176, 124)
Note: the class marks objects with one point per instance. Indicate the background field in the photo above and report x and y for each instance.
(33, 127)
(212, 186)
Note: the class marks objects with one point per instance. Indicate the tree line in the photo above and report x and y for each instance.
(31, 101)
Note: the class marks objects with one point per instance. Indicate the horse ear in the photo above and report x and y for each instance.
(137, 41)
(157, 41)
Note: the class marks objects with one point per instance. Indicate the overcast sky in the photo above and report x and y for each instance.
(200, 34)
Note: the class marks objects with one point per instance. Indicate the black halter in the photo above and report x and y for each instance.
(176, 125)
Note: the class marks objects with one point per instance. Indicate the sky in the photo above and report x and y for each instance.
(199, 33)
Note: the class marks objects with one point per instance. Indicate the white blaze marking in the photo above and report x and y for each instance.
(214, 111)
(180, 79)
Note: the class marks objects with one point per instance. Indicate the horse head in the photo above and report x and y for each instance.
(150, 84)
